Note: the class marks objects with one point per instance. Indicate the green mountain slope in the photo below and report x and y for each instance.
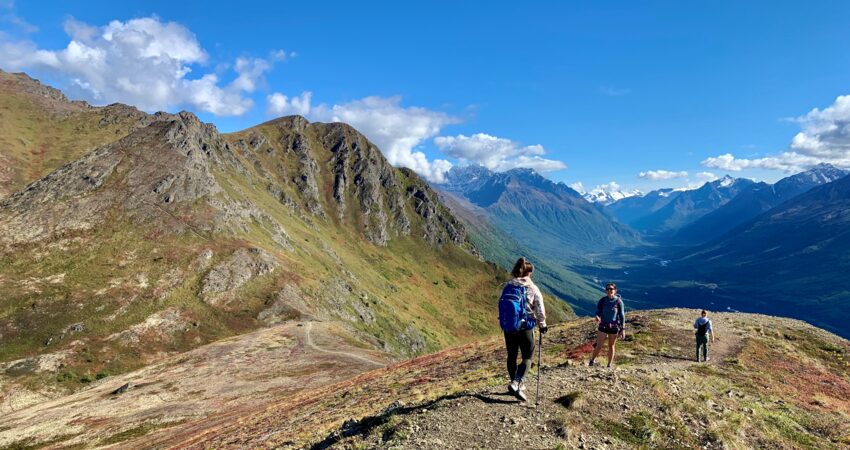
(497, 246)
(174, 236)
(41, 130)
(549, 222)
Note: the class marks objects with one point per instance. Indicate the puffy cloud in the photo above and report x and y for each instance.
(495, 153)
(281, 105)
(826, 133)
(707, 176)
(578, 186)
(395, 129)
(608, 187)
(656, 175)
(786, 161)
(824, 138)
(143, 62)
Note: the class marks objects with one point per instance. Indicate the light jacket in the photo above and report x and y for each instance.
(534, 303)
(702, 321)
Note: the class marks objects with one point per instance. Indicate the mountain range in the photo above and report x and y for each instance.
(690, 205)
(605, 195)
(754, 200)
(157, 234)
(790, 260)
(549, 222)
(167, 285)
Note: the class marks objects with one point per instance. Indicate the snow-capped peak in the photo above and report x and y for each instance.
(607, 193)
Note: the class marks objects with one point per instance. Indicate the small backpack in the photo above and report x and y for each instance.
(513, 314)
(702, 329)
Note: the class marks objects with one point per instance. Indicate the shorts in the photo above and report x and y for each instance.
(609, 329)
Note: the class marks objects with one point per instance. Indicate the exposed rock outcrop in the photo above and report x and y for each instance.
(241, 267)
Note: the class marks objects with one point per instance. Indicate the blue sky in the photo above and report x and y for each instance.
(609, 90)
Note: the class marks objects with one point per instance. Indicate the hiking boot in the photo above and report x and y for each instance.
(707, 359)
(520, 392)
(513, 386)
(591, 363)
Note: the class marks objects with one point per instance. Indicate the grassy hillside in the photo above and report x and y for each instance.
(40, 130)
(174, 236)
(502, 249)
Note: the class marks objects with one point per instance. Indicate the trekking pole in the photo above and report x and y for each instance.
(539, 368)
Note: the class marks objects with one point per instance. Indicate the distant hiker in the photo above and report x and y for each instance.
(611, 317)
(520, 309)
(703, 331)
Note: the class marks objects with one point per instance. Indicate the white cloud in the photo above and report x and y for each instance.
(495, 153)
(578, 186)
(282, 55)
(824, 138)
(707, 176)
(609, 187)
(142, 62)
(656, 175)
(786, 161)
(397, 130)
(281, 105)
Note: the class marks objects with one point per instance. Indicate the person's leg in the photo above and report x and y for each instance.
(600, 340)
(526, 347)
(698, 347)
(612, 341)
(705, 348)
(512, 345)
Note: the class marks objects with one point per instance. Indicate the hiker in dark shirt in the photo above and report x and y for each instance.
(703, 331)
(611, 317)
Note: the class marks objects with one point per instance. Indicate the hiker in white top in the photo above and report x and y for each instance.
(522, 340)
(703, 330)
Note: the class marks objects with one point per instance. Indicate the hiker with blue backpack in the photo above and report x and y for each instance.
(611, 318)
(520, 310)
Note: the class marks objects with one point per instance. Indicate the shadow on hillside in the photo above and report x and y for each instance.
(667, 356)
(365, 426)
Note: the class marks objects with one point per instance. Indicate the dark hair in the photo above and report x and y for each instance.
(704, 312)
(611, 285)
(522, 268)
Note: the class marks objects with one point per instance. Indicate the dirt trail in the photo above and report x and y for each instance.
(493, 419)
(308, 342)
(197, 391)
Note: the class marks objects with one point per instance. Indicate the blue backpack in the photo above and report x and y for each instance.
(512, 311)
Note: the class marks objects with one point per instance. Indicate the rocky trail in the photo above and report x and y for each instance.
(491, 418)
(657, 396)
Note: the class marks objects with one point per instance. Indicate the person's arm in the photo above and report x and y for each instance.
(539, 308)
(696, 324)
(621, 318)
(710, 330)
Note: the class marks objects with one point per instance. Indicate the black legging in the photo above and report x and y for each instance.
(523, 341)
